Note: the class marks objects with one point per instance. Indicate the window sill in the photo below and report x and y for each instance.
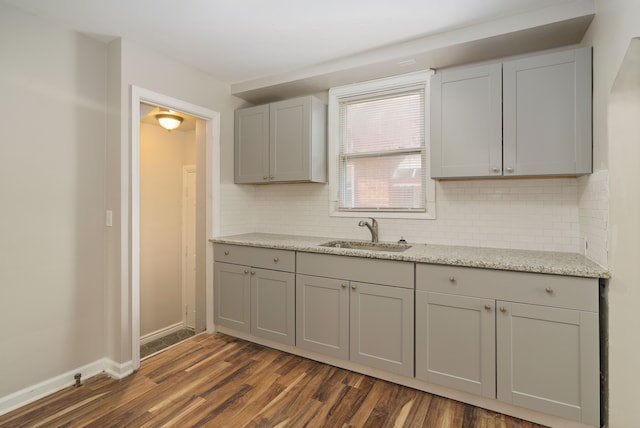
(430, 214)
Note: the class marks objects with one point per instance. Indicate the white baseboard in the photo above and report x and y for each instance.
(118, 370)
(35, 392)
(161, 333)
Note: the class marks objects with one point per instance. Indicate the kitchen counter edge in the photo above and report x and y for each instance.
(556, 263)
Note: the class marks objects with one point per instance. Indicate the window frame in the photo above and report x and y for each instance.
(374, 88)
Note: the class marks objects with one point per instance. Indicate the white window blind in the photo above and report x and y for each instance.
(381, 151)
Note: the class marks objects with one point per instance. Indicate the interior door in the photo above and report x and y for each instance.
(190, 246)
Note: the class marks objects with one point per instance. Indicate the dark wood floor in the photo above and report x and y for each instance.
(220, 381)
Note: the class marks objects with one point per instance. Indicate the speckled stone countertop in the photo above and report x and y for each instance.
(557, 263)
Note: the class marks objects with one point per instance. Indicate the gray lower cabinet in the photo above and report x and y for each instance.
(322, 315)
(341, 316)
(547, 360)
(381, 327)
(531, 340)
(232, 289)
(253, 299)
(455, 342)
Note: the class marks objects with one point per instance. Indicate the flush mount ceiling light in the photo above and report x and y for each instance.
(169, 121)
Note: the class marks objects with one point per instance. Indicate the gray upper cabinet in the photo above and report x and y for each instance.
(547, 114)
(252, 144)
(280, 142)
(526, 117)
(466, 122)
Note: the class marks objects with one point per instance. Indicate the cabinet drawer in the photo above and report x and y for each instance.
(385, 272)
(266, 258)
(540, 289)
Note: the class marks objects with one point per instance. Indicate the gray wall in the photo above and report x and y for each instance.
(52, 112)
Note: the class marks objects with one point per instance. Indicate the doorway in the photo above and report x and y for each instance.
(167, 231)
(207, 150)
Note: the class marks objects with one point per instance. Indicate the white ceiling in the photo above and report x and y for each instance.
(239, 41)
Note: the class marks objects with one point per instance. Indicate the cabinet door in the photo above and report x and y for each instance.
(466, 122)
(322, 315)
(548, 360)
(273, 305)
(232, 298)
(547, 114)
(251, 148)
(382, 327)
(455, 342)
(290, 131)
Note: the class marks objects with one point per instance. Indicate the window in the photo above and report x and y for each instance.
(378, 145)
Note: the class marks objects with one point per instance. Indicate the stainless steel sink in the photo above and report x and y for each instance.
(368, 246)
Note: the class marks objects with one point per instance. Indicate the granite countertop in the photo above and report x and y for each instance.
(557, 263)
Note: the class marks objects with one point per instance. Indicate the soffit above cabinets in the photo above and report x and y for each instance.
(483, 42)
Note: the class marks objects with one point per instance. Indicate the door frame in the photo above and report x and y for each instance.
(208, 173)
(186, 170)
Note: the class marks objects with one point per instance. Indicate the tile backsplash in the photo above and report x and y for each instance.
(552, 214)
(593, 203)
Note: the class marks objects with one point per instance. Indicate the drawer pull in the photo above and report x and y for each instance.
(226, 253)
(275, 260)
(246, 271)
(343, 285)
(503, 309)
(253, 272)
(549, 290)
(353, 287)
(487, 307)
(452, 279)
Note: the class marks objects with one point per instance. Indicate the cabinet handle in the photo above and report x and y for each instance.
(253, 272)
(495, 169)
(509, 169)
(226, 253)
(275, 260)
(246, 271)
(503, 309)
(271, 177)
(264, 177)
(353, 287)
(549, 290)
(343, 285)
(487, 307)
(452, 279)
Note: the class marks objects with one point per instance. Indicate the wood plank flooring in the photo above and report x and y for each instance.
(220, 381)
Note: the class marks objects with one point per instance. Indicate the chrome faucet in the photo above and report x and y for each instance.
(373, 228)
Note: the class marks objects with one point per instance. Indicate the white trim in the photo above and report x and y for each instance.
(132, 194)
(118, 370)
(149, 337)
(42, 389)
(362, 88)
